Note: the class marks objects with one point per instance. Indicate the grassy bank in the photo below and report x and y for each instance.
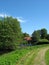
(12, 58)
(47, 57)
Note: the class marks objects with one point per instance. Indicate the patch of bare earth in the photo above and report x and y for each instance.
(40, 58)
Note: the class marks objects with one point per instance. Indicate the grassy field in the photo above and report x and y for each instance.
(13, 57)
(47, 57)
(23, 56)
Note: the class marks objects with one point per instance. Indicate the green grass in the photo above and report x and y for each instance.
(12, 58)
(47, 57)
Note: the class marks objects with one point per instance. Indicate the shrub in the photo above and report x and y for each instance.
(42, 41)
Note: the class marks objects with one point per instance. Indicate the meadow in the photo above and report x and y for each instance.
(23, 56)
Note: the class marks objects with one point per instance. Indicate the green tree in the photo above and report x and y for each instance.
(36, 35)
(43, 33)
(10, 33)
(47, 37)
(26, 35)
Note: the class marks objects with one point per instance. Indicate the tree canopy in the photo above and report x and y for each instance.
(40, 35)
(36, 35)
(10, 33)
(43, 33)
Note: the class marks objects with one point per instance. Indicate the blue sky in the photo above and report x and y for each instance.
(32, 14)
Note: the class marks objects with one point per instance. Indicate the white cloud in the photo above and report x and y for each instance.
(3, 15)
(20, 19)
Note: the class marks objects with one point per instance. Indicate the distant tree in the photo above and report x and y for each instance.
(47, 37)
(43, 33)
(36, 35)
(39, 34)
(26, 35)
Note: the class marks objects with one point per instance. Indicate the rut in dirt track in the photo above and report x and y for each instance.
(22, 61)
(40, 58)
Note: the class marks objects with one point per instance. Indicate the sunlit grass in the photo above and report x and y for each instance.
(47, 57)
(13, 57)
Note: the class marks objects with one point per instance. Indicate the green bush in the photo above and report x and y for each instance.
(43, 40)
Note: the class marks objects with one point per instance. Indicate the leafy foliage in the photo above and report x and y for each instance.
(47, 37)
(36, 35)
(43, 33)
(25, 35)
(10, 33)
(40, 36)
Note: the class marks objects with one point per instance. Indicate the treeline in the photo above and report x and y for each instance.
(38, 37)
(11, 35)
